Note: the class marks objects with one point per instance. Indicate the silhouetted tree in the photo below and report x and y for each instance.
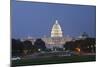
(28, 47)
(39, 45)
(89, 45)
(85, 45)
(69, 45)
(17, 47)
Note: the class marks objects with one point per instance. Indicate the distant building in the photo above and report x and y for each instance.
(57, 39)
(56, 30)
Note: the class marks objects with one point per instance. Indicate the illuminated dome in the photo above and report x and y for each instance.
(56, 30)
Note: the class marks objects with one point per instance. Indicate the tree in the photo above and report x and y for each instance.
(86, 45)
(17, 47)
(28, 47)
(69, 45)
(39, 45)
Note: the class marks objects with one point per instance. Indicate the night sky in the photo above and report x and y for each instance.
(36, 19)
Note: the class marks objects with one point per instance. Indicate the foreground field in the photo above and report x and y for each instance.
(53, 60)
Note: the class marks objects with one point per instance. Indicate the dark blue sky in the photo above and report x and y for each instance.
(36, 19)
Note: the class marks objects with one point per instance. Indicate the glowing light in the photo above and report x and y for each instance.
(39, 49)
(78, 49)
(56, 30)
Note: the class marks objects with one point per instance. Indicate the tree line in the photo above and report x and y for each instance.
(22, 48)
(87, 45)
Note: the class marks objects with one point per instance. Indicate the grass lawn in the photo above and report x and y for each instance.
(54, 60)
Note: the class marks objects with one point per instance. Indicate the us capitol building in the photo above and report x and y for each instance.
(55, 40)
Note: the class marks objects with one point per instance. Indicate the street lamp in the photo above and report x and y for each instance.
(39, 49)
